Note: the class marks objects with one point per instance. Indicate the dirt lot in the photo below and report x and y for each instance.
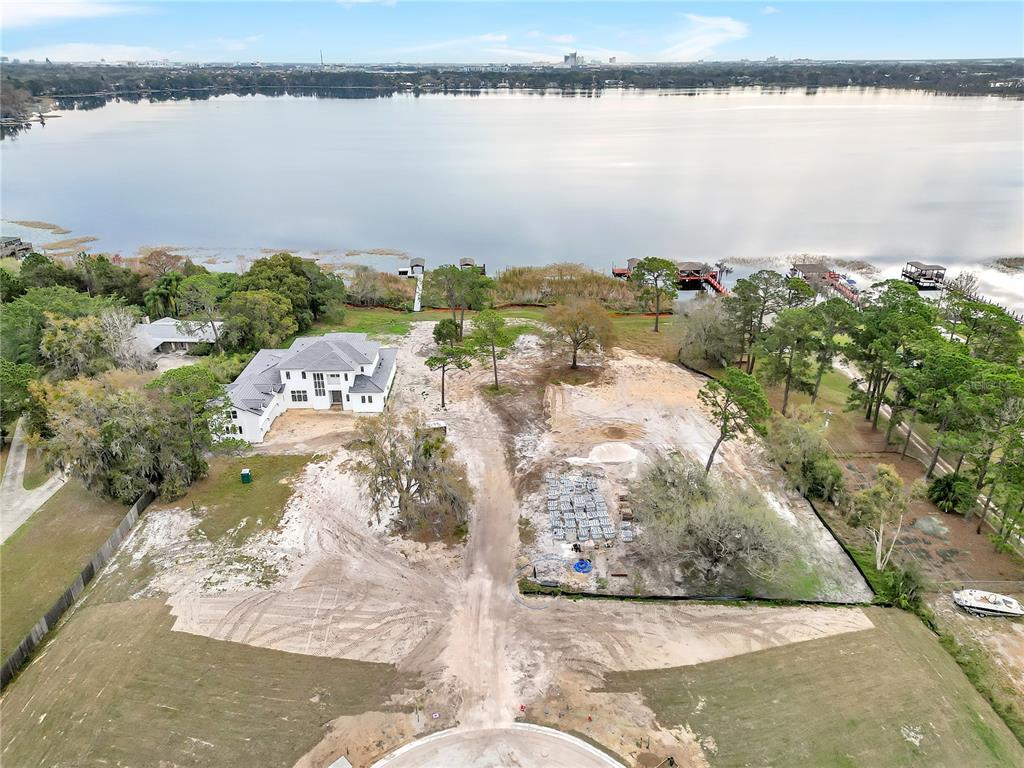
(370, 641)
(636, 408)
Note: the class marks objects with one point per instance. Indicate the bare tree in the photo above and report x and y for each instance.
(880, 509)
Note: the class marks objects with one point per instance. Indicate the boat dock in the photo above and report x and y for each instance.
(691, 275)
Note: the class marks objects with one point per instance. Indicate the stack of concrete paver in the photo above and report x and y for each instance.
(577, 510)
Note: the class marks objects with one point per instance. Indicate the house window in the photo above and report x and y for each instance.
(346, 377)
(288, 374)
(303, 375)
(333, 376)
(318, 385)
(300, 396)
(362, 398)
(348, 398)
(234, 414)
(238, 430)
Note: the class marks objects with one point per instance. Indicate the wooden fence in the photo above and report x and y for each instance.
(17, 659)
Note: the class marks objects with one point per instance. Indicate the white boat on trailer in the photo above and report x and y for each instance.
(982, 603)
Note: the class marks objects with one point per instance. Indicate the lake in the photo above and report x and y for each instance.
(743, 176)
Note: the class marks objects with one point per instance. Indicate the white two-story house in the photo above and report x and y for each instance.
(345, 371)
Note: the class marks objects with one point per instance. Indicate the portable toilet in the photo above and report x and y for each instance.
(246, 476)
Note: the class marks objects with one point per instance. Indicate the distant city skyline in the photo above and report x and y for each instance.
(367, 31)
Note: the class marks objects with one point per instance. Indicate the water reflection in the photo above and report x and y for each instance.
(740, 176)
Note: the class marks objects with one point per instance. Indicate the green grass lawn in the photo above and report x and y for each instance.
(634, 332)
(41, 559)
(855, 699)
(116, 686)
(35, 470)
(233, 511)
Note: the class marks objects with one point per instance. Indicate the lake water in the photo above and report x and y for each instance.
(746, 177)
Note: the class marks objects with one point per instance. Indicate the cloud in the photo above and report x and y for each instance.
(491, 37)
(770, 10)
(33, 12)
(236, 44)
(536, 34)
(701, 35)
(92, 52)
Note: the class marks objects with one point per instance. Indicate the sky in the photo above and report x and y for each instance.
(373, 31)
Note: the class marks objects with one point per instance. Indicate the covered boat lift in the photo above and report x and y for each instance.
(927, 277)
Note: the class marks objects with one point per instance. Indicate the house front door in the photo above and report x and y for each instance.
(336, 397)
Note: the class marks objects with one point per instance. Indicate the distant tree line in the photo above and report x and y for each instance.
(91, 86)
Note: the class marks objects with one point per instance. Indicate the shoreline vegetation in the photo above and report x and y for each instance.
(31, 89)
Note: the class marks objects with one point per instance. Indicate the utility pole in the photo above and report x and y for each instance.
(321, 58)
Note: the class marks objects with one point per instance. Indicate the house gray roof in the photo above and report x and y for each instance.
(331, 352)
(152, 335)
(377, 381)
(257, 384)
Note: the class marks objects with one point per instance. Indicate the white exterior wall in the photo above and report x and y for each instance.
(255, 426)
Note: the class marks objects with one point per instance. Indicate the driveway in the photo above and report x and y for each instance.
(17, 504)
(520, 745)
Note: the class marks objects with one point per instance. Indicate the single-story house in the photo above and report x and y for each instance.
(170, 335)
(345, 371)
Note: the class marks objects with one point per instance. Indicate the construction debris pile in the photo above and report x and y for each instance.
(577, 510)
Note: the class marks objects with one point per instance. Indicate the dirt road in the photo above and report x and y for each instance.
(477, 653)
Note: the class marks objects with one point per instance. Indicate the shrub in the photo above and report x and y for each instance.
(952, 494)
(806, 458)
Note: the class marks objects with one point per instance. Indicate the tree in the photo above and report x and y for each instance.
(15, 379)
(752, 301)
(201, 296)
(123, 442)
(895, 322)
(492, 338)
(736, 403)
(988, 331)
(11, 286)
(581, 325)
(74, 346)
(798, 445)
(197, 402)
(459, 290)
(832, 318)
(879, 508)
(447, 358)
(446, 332)
(799, 293)
(101, 277)
(310, 292)
(705, 331)
(164, 298)
(39, 271)
(118, 327)
(713, 533)
(159, 262)
(412, 470)
(788, 347)
(21, 329)
(654, 276)
(255, 320)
